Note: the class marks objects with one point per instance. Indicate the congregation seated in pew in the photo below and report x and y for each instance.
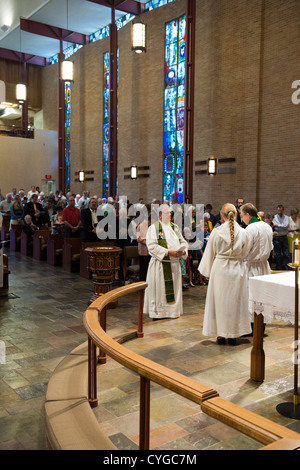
(29, 229)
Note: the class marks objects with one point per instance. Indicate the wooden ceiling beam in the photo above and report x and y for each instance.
(54, 32)
(16, 56)
(128, 6)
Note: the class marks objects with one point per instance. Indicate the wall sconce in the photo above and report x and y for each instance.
(21, 92)
(81, 176)
(67, 71)
(133, 172)
(138, 37)
(212, 166)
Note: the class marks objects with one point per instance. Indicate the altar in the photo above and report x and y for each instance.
(271, 297)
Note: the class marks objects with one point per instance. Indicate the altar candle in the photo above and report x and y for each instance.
(296, 252)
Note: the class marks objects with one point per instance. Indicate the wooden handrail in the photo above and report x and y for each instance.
(247, 422)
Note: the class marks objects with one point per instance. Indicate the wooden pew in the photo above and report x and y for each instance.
(131, 262)
(71, 253)
(24, 244)
(54, 248)
(84, 260)
(4, 232)
(15, 237)
(6, 272)
(40, 239)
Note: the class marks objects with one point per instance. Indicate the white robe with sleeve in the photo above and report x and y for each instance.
(1, 258)
(261, 236)
(226, 307)
(155, 303)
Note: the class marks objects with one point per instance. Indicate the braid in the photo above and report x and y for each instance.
(231, 228)
(229, 213)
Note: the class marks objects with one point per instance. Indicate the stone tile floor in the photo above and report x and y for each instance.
(41, 322)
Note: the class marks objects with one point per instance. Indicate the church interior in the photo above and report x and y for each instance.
(204, 110)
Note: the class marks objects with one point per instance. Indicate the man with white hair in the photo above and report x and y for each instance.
(166, 245)
(84, 201)
(77, 197)
(5, 205)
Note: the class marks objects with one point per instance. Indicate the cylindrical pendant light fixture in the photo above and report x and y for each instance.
(139, 37)
(21, 92)
(67, 71)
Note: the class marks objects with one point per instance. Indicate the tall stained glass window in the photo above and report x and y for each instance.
(174, 109)
(106, 120)
(68, 134)
(105, 124)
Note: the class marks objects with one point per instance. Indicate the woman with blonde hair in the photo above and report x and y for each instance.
(226, 307)
(16, 211)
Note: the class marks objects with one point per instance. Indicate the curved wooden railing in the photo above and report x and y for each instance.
(247, 422)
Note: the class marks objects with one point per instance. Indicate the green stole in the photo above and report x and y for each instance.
(169, 287)
(254, 219)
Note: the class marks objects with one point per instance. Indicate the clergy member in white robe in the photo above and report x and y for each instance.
(1, 257)
(261, 236)
(165, 243)
(226, 307)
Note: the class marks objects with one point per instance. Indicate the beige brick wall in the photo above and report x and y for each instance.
(247, 56)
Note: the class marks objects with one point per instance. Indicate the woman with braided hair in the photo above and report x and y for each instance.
(226, 307)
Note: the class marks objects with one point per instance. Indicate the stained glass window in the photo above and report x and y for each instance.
(105, 124)
(106, 121)
(156, 3)
(174, 109)
(68, 135)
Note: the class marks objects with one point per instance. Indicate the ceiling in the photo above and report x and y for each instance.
(81, 16)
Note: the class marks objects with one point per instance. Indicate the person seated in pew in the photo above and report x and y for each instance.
(36, 211)
(5, 205)
(16, 211)
(29, 228)
(57, 223)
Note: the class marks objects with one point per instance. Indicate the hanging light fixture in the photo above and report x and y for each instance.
(138, 37)
(81, 176)
(21, 92)
(67, 71)
(212, 166)
(67, 67)
(21, 89)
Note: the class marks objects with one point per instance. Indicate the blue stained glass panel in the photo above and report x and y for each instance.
(182, 27)
(105, 124)
(68, 136)
(106, 79)
(170, 98)
(172, 31)
(170, 120)
(171, 54)
(174, 111)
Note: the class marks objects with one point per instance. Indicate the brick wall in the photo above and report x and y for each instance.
(246, 61)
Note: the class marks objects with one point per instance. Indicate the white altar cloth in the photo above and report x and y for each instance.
(273, 295)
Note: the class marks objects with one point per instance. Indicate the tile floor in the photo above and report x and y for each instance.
(41, 322)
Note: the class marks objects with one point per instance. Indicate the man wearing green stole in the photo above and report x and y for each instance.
(165, 243)
(261, 236)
